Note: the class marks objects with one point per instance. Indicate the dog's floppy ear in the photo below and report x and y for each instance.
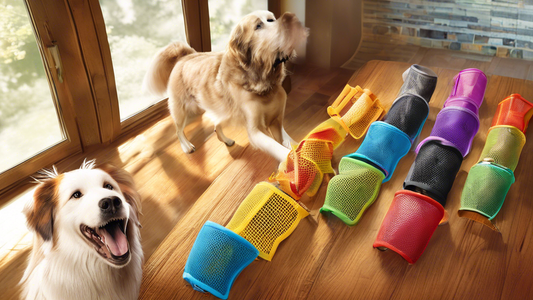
(126, 184)
(239, 45)
(40, 215)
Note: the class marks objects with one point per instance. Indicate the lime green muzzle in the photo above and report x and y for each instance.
(485, 189)
(352, 191)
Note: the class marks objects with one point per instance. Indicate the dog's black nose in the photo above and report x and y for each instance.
(110, 205)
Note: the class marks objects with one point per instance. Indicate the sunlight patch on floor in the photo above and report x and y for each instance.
(15, 235)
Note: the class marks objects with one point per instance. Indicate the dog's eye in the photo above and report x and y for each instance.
(258, 26)
(77, 194)
(270, 20)
(108, 186)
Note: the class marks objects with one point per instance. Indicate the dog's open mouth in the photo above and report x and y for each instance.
(109, 240)
(281, 58)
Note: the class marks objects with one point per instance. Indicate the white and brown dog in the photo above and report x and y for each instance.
(86, 236)
(240, 85)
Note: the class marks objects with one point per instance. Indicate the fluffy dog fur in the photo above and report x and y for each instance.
(67, 260)
(242, 84)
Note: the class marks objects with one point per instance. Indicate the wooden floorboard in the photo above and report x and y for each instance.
(325, 259)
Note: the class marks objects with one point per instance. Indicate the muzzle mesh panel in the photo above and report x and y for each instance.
(408, 113)
(266, 217)
(303, 170)
(513, 111)
(217, 257)
(384, 145)
(351, 192)
(434, 170)
(363, 112)
(366, 108)
(462, 102)
(409, 224)
(470, 83)
(485, 189)
(457, 126)
(504, 145)
(419, 80)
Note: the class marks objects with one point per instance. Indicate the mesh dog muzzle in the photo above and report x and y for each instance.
(383, 146)
(469, 84)
(514, 111)
(434, 170)
(366, 108)
(419, 80)
(305, 166)
(217, 257)
(454, 126)
(462, 102)
(351, 192)
(408, 113)
(468, 90)
(485, 189)
(409, 224)
(266, 217)
(503, 146)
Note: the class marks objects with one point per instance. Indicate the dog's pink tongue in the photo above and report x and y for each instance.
(115, 240)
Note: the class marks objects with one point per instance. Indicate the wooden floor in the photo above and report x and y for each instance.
(334, 259)
(325, 259)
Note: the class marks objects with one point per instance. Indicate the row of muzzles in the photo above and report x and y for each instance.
(271, 212)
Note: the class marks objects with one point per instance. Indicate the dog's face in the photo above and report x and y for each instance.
(89, 209)
(261, 43)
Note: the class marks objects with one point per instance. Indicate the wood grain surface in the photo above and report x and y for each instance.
(324, 258)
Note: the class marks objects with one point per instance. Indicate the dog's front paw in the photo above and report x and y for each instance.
(188, 147)
(221, 137)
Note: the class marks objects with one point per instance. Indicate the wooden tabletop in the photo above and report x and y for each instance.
(325, 259)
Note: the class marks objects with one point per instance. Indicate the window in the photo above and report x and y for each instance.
(134, 39)
(29, 122)
(224, 15)
(37, 123)
(71, 71)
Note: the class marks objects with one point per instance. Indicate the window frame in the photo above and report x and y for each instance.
(61, 95)
(87, 100)
(91, 30)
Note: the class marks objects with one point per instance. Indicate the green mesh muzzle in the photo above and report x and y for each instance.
(352, 191)
(504, 145)
(485, 188)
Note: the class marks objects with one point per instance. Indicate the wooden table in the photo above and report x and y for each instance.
(325, 259)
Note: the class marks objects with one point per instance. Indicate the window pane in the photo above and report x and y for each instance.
(136, 30)
(28, 119)
(224, 14)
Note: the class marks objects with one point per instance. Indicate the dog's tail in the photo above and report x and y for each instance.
(156, 79)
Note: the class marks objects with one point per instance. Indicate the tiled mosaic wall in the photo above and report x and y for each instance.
(492, 27)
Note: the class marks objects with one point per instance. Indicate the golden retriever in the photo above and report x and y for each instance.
(241, 84)
(86, 236)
